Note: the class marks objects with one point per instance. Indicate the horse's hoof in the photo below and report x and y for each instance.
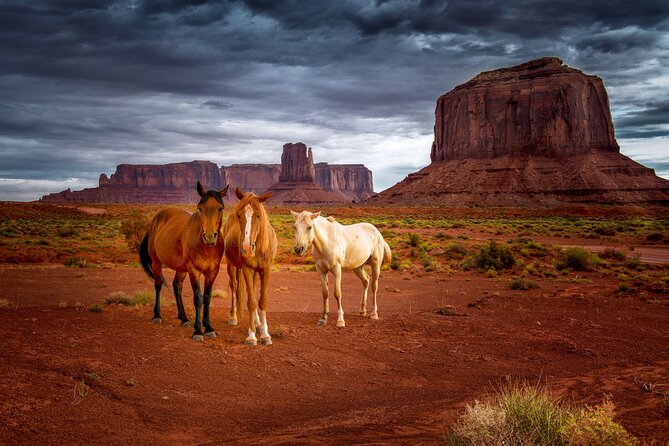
(232, 321)
(322, 322)
(156, 320)
(198, 338)
(375, 317)
(185, 323)
(363, 313)
(251, 342)
(210, 334)
(266, 341)
(341, 324)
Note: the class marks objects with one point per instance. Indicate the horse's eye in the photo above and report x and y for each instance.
(309, 228)
(257, 216)
(220, 209)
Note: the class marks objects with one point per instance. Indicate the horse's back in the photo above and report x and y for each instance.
(362, 243)
(165, 236)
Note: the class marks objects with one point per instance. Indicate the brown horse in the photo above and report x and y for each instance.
(250, 247)
(188, 244)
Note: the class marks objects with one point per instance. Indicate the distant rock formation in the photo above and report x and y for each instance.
(533, 134)
(297, 183)
(175, 183)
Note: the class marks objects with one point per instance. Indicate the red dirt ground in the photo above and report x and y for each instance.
(400, 380)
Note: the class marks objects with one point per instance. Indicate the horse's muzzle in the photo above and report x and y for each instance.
(210, 239)
(299, 250)
(249, 251)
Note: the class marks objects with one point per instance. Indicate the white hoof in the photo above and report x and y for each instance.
(363, 312)
(251, 342)
(322, 322)
(232, 321)
(341, 324)
(156, 320)
(375, 316)
(186, 324)
(211, 334)
(266, 341)
(198, 338)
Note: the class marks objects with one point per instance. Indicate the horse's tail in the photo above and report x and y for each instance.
(387, 254)
(145, 258)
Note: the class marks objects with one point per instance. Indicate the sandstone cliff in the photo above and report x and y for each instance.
(353, 180)
(538, 133)
(251, 177)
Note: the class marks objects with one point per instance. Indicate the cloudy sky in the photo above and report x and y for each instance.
(86, 85)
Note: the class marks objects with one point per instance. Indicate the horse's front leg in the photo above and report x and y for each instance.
(340, 310)
(209, 279)
(376, 272)
(324, 287)
(233, 275)
(265, 338)
(194, 276)
(249, 274)
(177, 286)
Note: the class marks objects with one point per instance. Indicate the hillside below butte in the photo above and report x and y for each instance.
(539, 133)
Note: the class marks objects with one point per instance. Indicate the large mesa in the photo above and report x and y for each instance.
(533, 134)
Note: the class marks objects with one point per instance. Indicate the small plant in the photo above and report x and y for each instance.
(578, 259)
(414, 239)
(623, 288)
(4, 303)
(143, 298)
(595, 426)
(78, 261)
(612, 253)
(96, 308)
(455, 250)
(62, 304)
(495, 256)
(634, 263)
(118, 297)
(655, 237)
(134, 229)
(523, 284)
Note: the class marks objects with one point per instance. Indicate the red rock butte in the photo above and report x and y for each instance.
(539, 133)
(296, 180)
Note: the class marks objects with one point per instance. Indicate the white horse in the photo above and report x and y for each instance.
(336, 247)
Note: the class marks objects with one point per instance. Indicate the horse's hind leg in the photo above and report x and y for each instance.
(157, 271)
(178, 286)
(364, 278)
(376, 272)
(324, 288)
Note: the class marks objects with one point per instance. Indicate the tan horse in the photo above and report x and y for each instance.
(250, 247)
(188, 244)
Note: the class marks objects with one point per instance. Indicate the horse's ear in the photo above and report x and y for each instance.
(200, 189)
(239, 193)
(315, 215)
(223, 191)
(265, 196)
(295, 214)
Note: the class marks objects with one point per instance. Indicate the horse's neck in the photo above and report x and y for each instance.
(320, 234)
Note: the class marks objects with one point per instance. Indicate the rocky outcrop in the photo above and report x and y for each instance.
(297, 182)
(535, 134)
(175, 183)
(251, 177)
(353, 180)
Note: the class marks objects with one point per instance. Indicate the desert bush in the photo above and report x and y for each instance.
(455, 250)
(77, 261)
(527, 415)
(612, 253)
(578, 259)
(95, 308)
(414, 239)
(4, 303)
(523, 284)
(143, 298)
(134, 229)
(655, 237)
(495, 256)
(118, 297)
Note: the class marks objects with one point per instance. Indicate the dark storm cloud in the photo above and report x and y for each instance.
(88, 85)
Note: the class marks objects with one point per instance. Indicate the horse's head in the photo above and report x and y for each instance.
(251, 216)
(210, 209)
(304, 230)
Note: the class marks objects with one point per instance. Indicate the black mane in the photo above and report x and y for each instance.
(211, 194)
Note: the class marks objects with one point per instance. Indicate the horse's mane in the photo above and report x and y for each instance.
(264, 242)
(210, 194)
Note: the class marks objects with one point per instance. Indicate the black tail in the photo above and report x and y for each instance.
(146, 262)
(145, 258)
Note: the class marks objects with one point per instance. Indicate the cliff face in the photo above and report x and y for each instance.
(175, 183)
(541, 107)
(535, 134)
(354, 180)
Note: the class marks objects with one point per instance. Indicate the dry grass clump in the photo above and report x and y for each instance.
(528, 415)
(139, 298)
(4, 303)
(133, 228)
(577, 259)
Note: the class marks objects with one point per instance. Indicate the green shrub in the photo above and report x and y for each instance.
(655, 237)
(495, 256)
(455, 250)
(523, 284)
(134, 229)
(613, 253)
(414, 239)
(77, 261)
(95, 308)
(527, 415)
(578, 259)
